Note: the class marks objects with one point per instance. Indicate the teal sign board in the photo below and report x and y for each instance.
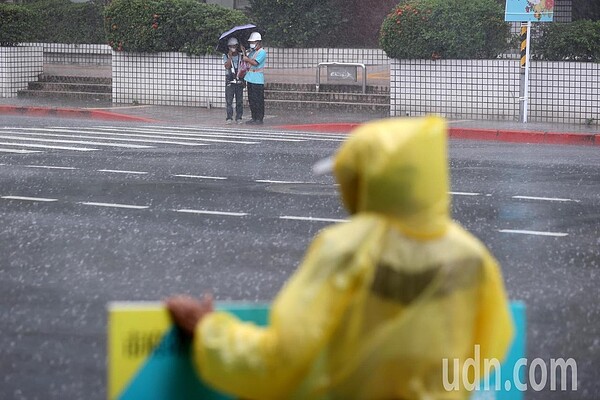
(529, 10)
(170, 375)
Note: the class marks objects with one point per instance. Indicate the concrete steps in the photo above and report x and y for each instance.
(278, 96)
(329, 88)
(349, 98)
(70, 87)
(329, 97)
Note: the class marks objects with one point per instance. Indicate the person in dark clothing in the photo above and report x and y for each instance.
(255, 78)
(234, 85)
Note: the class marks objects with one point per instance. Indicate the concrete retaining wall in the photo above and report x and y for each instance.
(563, 92)
(19, 66)
(173, 79)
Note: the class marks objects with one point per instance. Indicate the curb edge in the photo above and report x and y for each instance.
(71, 113)
(511, 136)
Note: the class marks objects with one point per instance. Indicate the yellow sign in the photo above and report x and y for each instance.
(135, 330)
(149, 359)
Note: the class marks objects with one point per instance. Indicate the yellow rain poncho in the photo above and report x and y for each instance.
(378, 301)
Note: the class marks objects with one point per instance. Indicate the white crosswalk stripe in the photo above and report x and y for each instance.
(105, 138)
(42, 146)
(18, 151)
(25, 140)
(30, 139)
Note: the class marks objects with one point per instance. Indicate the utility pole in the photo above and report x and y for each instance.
(524, 87)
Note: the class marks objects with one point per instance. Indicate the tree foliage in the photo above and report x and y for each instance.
(16, 24)
(360, 22)
(167, 25)
(451, 29)
(586, 9)
(575, 41)
(62, 21)
(297, 23)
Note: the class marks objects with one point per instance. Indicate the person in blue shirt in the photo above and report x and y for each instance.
(234, 86)
(255, 78)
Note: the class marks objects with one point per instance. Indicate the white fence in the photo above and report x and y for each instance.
(18, 67)
(81, 54)
(173, 79)
(563, 92)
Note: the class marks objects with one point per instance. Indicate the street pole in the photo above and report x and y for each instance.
(524, 87)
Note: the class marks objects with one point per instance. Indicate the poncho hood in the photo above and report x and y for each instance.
(398, 168)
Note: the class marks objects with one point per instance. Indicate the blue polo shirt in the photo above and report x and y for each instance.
(256, 74)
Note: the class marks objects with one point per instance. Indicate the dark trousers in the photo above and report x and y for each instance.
(234, 90)
(256, 98)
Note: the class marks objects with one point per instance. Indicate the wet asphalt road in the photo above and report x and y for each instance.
(125, 224)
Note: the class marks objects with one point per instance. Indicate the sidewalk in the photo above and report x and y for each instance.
(317, 121)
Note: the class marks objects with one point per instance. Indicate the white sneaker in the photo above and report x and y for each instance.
(239, 121)
(228, 122)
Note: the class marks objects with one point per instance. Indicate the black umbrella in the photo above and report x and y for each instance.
(241, 33)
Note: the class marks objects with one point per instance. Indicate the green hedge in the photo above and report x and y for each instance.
(167, 25)
(61, 21)
(575, 41)
(297, 23)
(16, 24)
(450, 29)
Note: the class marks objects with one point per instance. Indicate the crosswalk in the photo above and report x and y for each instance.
(27, 140)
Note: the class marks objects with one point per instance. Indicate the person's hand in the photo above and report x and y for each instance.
(187, 312)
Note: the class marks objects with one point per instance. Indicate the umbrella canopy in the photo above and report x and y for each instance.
(241, 32)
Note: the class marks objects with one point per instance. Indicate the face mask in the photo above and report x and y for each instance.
(252, 45)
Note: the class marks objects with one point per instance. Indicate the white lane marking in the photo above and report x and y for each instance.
(200, 177)
(464, 194)
(48, 167)
(127, 146)
(116, 205)
(312, 219)
(118, 171)
(285, 182)
(544, 198)
(43, 146)
(28, 198)
(232, 214)
(525, 232)
(32, 133)
(154, 133)
(18, 151)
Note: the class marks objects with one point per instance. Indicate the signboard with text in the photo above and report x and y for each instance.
(342, 73)
(529, 10)
(149, 359)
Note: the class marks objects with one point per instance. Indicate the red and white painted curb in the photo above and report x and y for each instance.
(502, 135)
(71, 112)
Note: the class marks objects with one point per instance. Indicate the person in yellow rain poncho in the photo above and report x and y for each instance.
(378, 302)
